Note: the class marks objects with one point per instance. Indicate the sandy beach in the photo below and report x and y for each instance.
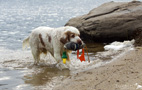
(124, 73)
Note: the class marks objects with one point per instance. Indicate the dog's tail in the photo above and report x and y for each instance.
(25, 43)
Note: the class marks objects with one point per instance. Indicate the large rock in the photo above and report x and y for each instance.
(110, 22)
(138, 38)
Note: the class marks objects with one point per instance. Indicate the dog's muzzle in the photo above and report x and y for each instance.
(74, 46)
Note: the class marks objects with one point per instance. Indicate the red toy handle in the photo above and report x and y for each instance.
(82, 57)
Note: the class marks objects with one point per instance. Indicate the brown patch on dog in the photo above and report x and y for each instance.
(68, 57)
(43, 50)
(49, 39)
(68, 36)
(63, 40)
(41, 40)
(68, 52)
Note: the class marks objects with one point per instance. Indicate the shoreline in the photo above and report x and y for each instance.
(124, 73)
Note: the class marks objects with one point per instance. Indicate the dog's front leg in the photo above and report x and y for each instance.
(58, 58)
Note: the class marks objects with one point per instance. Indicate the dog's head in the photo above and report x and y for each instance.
(71, 34)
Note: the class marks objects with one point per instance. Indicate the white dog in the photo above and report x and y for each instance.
(45, 39)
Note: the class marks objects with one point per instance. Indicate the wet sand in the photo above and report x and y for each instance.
(124, 73)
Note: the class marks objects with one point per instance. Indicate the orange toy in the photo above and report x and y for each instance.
(82, 57)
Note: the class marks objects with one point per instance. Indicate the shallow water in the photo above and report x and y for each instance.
(17, 71)
(17, 19)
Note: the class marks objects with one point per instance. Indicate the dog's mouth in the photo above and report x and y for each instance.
(79, 42)
(74, 46)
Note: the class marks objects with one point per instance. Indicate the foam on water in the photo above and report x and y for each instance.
(20, 87)
(4, 78)
(119, 45)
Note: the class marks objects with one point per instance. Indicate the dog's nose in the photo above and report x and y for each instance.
(79, 42)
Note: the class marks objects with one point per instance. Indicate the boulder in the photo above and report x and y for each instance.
(112, 21)
(138, 38)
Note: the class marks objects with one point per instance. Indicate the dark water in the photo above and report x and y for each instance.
(17, 19)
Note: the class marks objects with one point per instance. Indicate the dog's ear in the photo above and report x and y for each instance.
(63, 40)
(66, 37)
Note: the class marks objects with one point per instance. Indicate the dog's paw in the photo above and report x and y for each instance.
(62, 66)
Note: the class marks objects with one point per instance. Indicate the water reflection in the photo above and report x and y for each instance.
(95, 47)
(42, 75)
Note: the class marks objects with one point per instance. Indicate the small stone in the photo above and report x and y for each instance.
(117, 80)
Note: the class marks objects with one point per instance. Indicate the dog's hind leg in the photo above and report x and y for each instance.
(36, 55)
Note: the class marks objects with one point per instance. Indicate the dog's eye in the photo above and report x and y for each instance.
(72, 35)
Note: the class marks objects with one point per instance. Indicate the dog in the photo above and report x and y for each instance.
(52, 40)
